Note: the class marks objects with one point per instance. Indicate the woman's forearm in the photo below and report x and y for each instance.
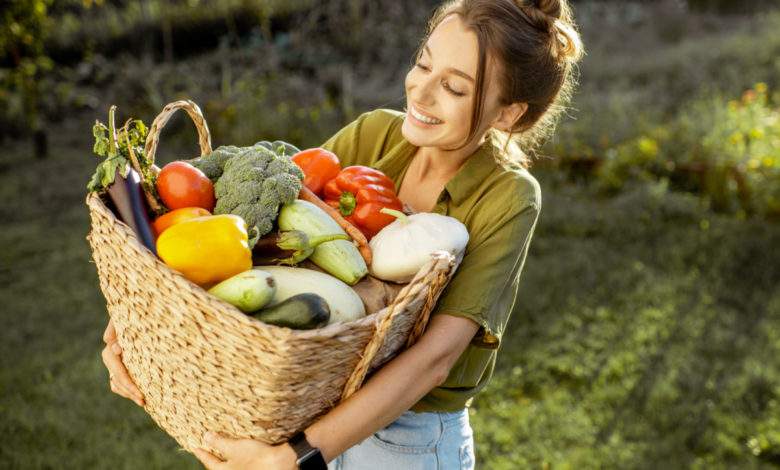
(394, 388)
(390, 392)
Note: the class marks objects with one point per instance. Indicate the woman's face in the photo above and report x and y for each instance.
(440, 89)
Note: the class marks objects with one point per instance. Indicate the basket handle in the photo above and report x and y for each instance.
(430, 301)
(440, 277)
(192, 109)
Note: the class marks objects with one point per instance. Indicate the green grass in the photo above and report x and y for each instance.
(55, 406)
(646, 337)
(646, 334)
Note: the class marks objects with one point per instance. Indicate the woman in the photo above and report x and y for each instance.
(488, 74)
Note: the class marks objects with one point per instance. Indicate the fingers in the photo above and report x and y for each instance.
(111, 358)
(121, 383)
(109, 336)
(118, 389)
(224, 445)
(208, 460)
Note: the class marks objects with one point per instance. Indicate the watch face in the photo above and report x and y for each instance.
(312, 461)
(307, 455)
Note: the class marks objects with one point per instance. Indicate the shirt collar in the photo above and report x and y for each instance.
(468, 178)
(393, 163)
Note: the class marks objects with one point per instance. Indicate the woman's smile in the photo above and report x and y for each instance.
(439, 87)
(423, 119)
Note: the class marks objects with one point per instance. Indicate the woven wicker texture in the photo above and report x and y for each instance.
(204, 365)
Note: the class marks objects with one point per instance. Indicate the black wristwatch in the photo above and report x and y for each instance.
(309, 458)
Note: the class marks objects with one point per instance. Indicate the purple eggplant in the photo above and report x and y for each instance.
(127, 195)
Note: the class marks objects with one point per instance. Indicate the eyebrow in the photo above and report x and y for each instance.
(453, 70)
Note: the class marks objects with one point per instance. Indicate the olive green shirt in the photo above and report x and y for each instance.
(498, 205)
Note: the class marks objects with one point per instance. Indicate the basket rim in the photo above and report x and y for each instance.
(95, 201)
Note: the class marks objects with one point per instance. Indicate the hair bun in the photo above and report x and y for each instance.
(535, 15)
(555, 17)
(551, 8)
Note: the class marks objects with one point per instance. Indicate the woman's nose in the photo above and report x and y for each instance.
(424, 92)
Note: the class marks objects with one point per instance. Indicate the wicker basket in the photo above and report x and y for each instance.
(204, 365)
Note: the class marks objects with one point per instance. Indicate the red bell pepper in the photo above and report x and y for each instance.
(359, 193)
(319, 166)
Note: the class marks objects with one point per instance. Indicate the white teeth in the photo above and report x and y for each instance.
(424, 119)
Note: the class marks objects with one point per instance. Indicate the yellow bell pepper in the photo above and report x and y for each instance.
(207, 249)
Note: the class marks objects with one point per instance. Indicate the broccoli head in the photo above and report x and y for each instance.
(213, 164)
(253, 183)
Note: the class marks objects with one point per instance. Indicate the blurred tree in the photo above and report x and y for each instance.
(23, 62)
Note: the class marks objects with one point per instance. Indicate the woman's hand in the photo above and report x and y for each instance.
(119, 379)
(246, 454)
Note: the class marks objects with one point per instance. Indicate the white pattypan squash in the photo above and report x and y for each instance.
(400, 249)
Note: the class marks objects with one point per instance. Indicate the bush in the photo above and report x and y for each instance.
(729, 151)
(634, 78)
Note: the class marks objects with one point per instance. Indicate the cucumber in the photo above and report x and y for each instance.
(344, 303)
(301, 312)
(249, 291)
(338, 257)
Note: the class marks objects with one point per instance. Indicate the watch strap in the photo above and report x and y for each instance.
(309, 458)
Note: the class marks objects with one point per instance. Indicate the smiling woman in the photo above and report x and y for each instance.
(488, 82)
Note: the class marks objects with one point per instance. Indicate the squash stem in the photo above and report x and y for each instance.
(395, 213)
(317, 240)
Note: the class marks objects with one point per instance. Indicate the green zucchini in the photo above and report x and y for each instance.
(249, 291)
(345, 305)
(301, 312)
(338, 257)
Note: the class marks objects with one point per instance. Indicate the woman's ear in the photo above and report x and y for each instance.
(509, 116)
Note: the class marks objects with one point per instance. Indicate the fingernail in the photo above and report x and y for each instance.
(208, 436)
(116, 348)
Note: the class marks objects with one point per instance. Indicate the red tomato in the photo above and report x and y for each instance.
(180, 185)
(319, 166)
(177, 215)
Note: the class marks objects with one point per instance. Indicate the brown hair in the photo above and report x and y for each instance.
(536, 45)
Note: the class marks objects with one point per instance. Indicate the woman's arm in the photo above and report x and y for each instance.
(395, 388)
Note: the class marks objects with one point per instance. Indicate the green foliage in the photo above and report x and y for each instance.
(116, 148)
(727, 151)
(635, 81)
(663, 354)
(268, 107)
(112, 21)
(105, 171)
(23, 29)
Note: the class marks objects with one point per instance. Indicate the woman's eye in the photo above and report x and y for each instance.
(423, 67)
(454, 92)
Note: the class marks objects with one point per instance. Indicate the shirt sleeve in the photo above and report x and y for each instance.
(484, 287)
(366, 139)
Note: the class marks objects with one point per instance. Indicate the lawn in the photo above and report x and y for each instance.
(647, 334)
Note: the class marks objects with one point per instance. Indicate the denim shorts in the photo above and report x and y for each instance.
(415, 441)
